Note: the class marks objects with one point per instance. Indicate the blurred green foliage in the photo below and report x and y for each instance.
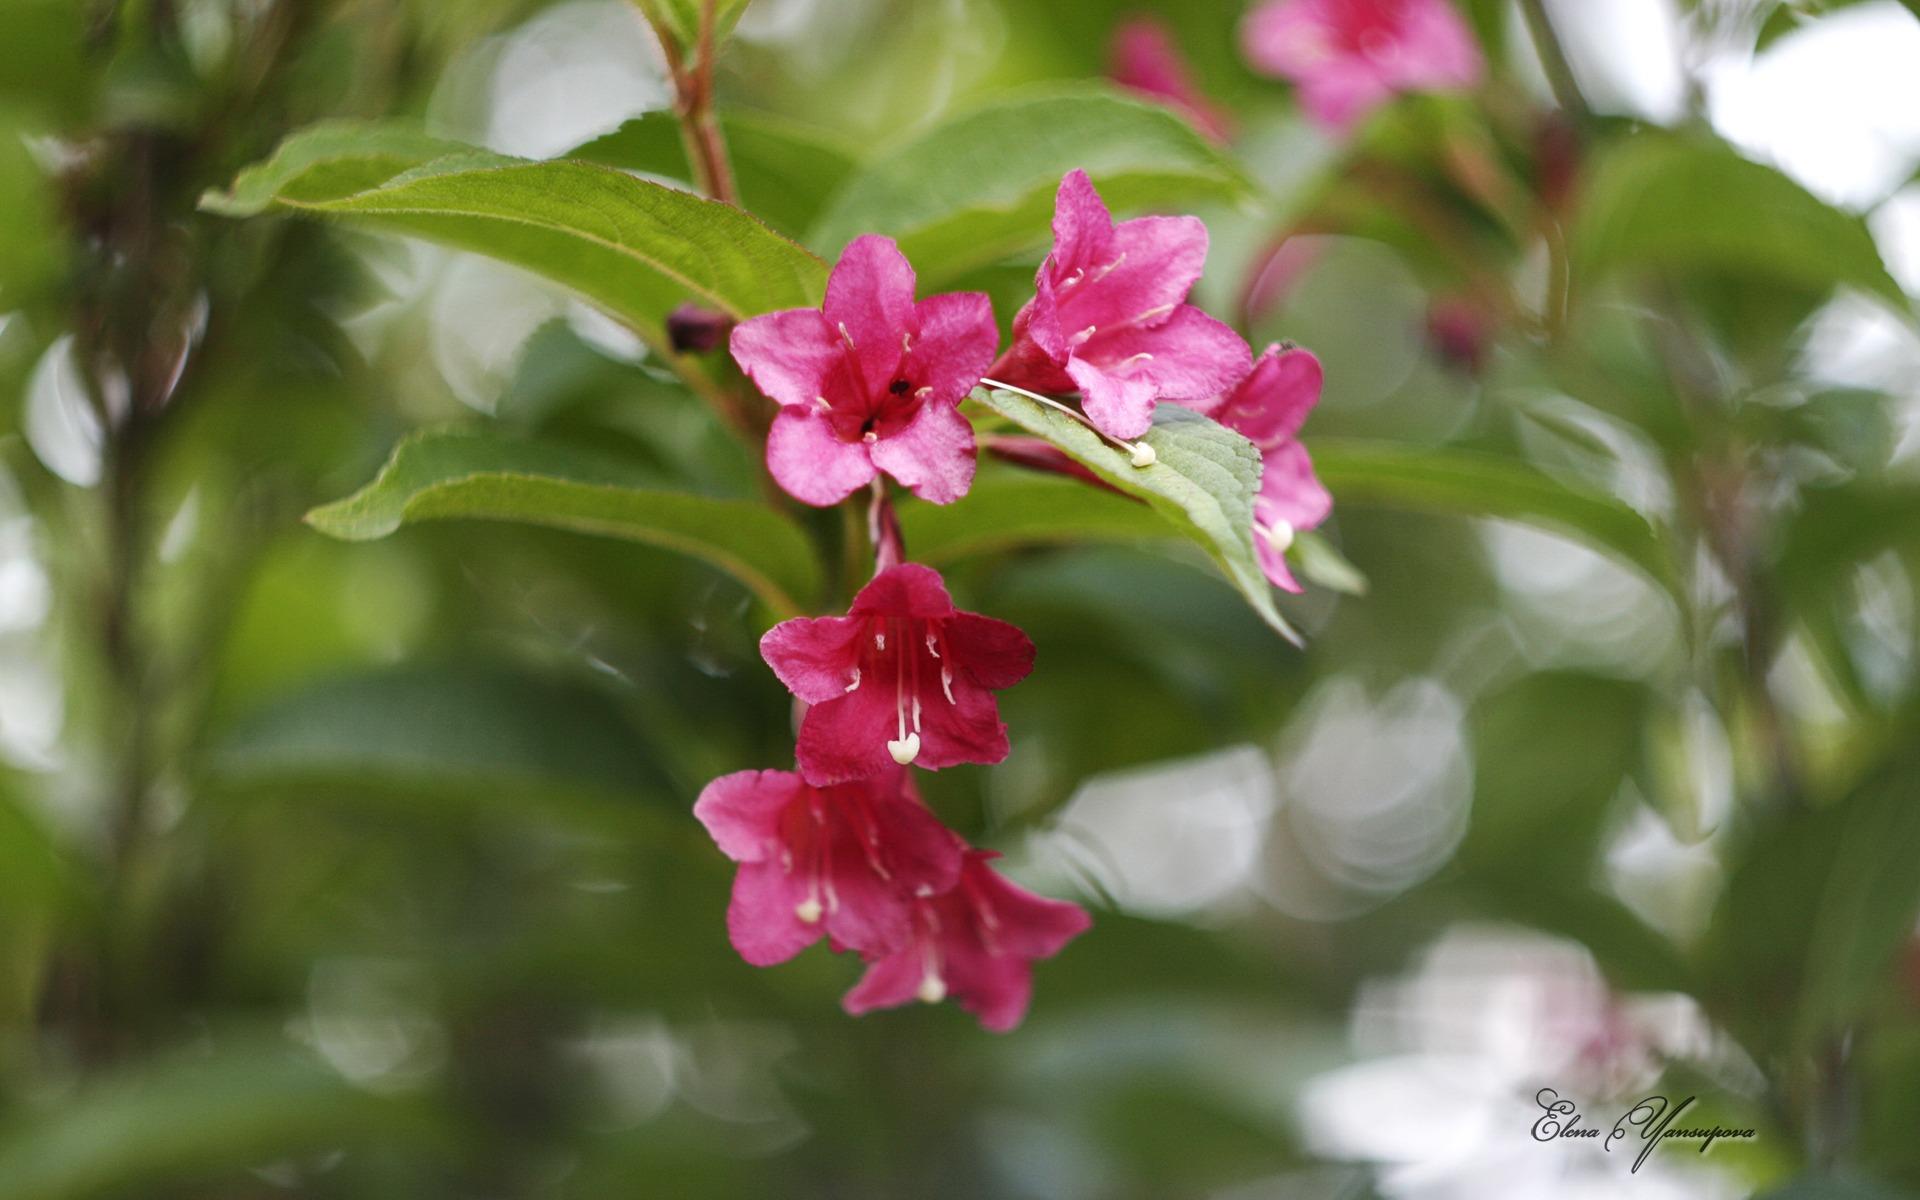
(365, 868)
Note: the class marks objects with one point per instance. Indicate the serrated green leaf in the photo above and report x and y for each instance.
(451, 473)
(980, 186)
(1203, 481)
(1672, 204)
(634, 247)
(1483, 485)
(785, 171)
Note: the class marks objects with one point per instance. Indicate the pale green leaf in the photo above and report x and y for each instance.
(1203, 481)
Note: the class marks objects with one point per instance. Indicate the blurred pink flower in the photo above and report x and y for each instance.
(870, 381)
(1268, 407)
(841, 862)
(976, 943)
(902, 678)
(1143, 57)
(1348, 57)
(1109, 316)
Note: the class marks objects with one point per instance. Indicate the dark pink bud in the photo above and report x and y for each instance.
(695, 330)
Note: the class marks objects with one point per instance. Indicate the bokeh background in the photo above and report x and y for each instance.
(367, 870)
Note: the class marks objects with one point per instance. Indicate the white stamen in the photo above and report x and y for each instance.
(1128, 361)
(869, 437)
(822, 402)
(879, 641)
(846, 335)
(946, 683)
(1084, 334)
(916, 712)
(808, 910)
(1110, 267)
(1079, 273)
(1151, 313)
(923, 393)
(854, 685)
(905, 750)
(906, 342)
(932, 648)
(933, 989)
(1280, 536)
(1144, 455)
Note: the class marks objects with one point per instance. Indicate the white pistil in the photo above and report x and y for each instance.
(905, 750)
(808, 910)
(1141, 454)
(869, 437)
(1280, 536)
(933, 989)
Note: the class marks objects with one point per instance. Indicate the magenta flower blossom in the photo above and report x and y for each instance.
(976, 943)
(902, 678)
(1348, 57)
(870, 381)
(1109, 316)
(842, 862)
(1268, 407)
(1143, 58)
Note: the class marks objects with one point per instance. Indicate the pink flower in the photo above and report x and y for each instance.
(902, 678)
(842, 861)
(870, 381)
(976, 943)
(1348, 57)
(1268, 407)
(1109, 316)
(1143, 57)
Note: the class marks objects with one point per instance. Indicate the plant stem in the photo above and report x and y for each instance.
(1553, 59)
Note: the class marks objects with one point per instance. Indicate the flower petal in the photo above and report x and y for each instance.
(816, 657)
(761, 918)
(1024, 924)
(933, 457)
(965, 729)
(907, 590)
(846, 738)
(1289, 490)
(1437, 50)
(891, 980)
(1082, 226)
(1118, 405)
(953, 344)
(1191, 356)
(870, 296)
(742, 812)
(1273, 401)
(1151, 263)
(808, 459)
(995, 653)
(793, 356)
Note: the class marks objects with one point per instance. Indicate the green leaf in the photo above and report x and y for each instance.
(446, 732)
(450, 473)
(980, 186)
(1322, 565)
(635, 248)
(785, 170)
(1203, 481)
(1673, 204)
(1005, 510)
(1483, 485)
(249, 1100)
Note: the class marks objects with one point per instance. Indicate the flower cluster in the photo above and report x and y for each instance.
(869, 385)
